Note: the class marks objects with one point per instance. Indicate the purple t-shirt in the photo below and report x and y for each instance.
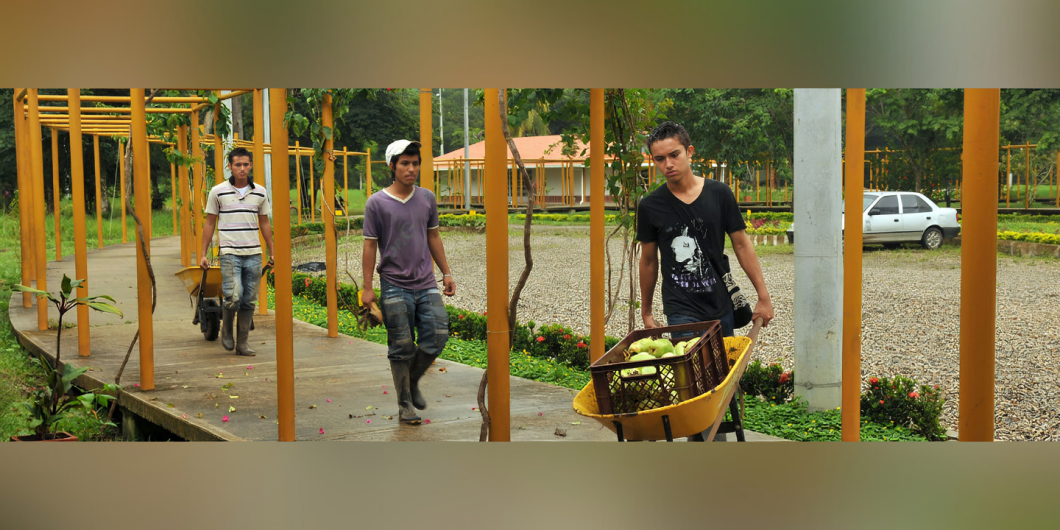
(401, 229)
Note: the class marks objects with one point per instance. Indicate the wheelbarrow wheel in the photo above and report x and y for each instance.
(213, 321)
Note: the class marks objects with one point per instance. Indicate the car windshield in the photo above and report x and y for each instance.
(869, 199)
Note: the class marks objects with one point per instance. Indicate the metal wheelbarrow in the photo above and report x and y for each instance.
(205, 286)
(699, 418)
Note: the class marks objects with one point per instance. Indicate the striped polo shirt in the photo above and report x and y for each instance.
(237, 217)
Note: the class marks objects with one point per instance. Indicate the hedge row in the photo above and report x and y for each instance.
(1033, 237)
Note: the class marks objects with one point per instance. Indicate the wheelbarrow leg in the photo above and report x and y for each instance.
(737, 421)
(618, 431)
(666, 428)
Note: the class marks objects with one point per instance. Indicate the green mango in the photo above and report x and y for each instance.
(645, 356)
(680, 349)
(662, 346)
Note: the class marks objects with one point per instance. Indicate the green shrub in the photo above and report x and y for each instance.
(771, 382)
(900, 401)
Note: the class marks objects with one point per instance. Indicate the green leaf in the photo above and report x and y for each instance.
(327, 132)
(105, 308)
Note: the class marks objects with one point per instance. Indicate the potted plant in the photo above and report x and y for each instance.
(50, 402)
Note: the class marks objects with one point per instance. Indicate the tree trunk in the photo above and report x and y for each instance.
(237, 117)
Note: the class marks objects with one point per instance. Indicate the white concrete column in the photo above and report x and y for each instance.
(268, 140)
(818, 247)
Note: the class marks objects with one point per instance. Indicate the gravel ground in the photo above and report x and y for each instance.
(911, 313)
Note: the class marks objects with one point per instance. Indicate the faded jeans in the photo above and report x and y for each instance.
(240, 276)
(728, 323)
(405, 310)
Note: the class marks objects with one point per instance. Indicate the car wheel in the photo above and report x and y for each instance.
(932, 238)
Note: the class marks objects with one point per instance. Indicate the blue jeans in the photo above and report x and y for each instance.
(405, 310)
(240, 276)
(728, 323)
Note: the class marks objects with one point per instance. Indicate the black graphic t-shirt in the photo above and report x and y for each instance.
(686, 234)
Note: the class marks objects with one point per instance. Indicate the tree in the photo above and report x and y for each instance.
(922, 124)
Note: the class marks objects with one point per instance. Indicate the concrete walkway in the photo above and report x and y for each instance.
(339, 383)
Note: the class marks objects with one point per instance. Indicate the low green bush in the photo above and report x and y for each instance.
(771, 382)
(906, 403)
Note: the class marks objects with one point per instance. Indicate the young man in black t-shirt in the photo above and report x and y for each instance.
(685, 222)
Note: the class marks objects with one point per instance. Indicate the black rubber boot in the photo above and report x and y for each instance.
(228, 320)
(419, 366)
(404, 395)
(243, 333)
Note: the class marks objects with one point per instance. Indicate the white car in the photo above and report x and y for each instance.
(893, 217)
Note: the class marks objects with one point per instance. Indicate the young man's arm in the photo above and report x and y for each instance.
(434, 243)
(649, 274)
(266, 232)
(745, 253)
(367, 270)
(208, 225)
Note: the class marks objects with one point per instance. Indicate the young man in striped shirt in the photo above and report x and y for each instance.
(238, 209)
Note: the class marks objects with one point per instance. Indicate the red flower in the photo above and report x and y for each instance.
(540, 339)
(461, 317)
(783, 378)
(881, 402)
(873, 380)
(914, 395)
(936, 387)
(582, 345)
(566, 337)
(307, 282)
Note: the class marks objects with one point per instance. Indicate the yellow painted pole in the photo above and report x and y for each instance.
(218, 148)
(142, 191)
(173, 200)
(148, 220)
(77, 188)
(259, 158)
(345, 181)
(368, 173)
(1027, 180)
(852, 240)
(121, 175)
(197, 202)
(1008, 177)
(979, 265)
(498, 362)
(427, 139)
(596, 223)
(99, 192)
(37, 167)
(281, 233)
(312, 192)
(185, 199)
(25, 200)
(327, 211)
(298, 177)
(56, 195)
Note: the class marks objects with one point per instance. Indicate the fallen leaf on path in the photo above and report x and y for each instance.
(369, 407)
(384, 391)
(368, 421)
(170, 405)
(225, 419)
(185, 416)
(154, 399)
(200, 414)
(216, 405)
(561, 432)
(442, 369)
(427, 422)
(329, 400)
(262, 417)
(575, 423)
(312, 406)
(351, 416)
(185, 386)
(321, 430)
(234, 397)
(231, 409)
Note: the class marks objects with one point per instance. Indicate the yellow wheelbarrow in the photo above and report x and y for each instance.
(700, 417)
(205, 286)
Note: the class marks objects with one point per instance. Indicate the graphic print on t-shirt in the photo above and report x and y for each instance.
(692, 270)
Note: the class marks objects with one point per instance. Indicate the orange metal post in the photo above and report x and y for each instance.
(185, 200)
(298, 177)
(312, 192)
(281, 226)
(596, 224)
(427, 139)
(368, 173)
(56, 194)
(1008, 177)
(121, 175)
(77, 187)
(259, 158)
(149, 219)
(99, 192)
(37, 167)
(978, 308)
(1027, 180)
(142, 190)
(854, 188)
(345, 181)
(173, 199)
(25, 200)
(498, 363)
(197, 175)
(327, 211)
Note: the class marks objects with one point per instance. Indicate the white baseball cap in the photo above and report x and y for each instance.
(397, 148)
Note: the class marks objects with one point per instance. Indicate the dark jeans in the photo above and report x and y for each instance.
(727, 324)
(240, 277)
(405, 310)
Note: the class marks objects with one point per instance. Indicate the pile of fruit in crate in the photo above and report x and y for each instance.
(647, 348)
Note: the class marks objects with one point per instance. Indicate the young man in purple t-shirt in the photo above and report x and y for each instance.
(401, 223)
